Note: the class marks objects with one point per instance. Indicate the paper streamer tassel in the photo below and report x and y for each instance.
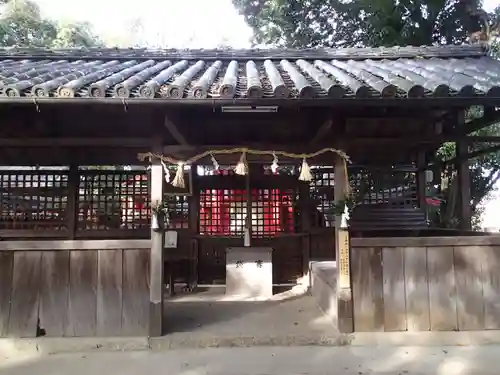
(274, 165)
(179, 177)
(167, 172)
(305, 171)
(242, 166)
(214, 163)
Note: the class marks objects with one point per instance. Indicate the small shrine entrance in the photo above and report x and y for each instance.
(259, 210)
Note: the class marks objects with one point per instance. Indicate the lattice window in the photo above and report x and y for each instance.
(113, 200)
(34, 200)
(322, 196)
(177, 211)
(223, 212)
(393, 187)
(273, 212)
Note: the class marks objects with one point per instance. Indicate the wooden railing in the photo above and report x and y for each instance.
(422, 284)
(74, 288)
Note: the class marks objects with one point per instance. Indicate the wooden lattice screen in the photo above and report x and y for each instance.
(223, 210)
(395, 187)
(34, 200)
(177, 211)
(322, 196)
(110, 200)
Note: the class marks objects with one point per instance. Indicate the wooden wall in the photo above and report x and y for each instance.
(74, 288)
(422, 284)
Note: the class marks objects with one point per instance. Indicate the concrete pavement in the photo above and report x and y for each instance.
(469, 360)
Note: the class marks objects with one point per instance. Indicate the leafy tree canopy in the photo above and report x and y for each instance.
(21, 25)
(372, 23)
(347, 23)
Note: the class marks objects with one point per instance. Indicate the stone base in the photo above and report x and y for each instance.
(249, 273)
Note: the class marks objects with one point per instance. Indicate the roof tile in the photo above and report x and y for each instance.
(412, 72)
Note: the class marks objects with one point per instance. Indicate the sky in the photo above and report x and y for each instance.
(172, 23)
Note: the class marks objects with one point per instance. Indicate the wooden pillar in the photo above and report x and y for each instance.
(463, 175)
(305, 224)
(156, 284)
(72, 206)
(194, 226)
(421, 178)
(342, 255)
(247, 239)
(463, 186)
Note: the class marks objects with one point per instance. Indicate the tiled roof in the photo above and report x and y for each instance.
(414, 72)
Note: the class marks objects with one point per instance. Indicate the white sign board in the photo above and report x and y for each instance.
(171, 239)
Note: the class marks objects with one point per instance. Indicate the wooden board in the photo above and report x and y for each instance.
(54, 290)
(109, 293)
(442, 289)
(81, 320)
(394, 289)
(6, 268)
(468, 275)
(417, 289)
(491, 287)
(23, 321)
(367, 289)
(135, 293)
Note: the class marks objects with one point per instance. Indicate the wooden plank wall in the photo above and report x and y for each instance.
(426, 284)
(74, 293)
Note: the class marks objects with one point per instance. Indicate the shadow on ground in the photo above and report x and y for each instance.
(271, 361)
(212, 314)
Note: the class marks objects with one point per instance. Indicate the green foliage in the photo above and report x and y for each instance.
(347, 23)
(372, 23)
(21, 25)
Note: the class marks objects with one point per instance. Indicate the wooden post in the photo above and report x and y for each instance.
(304, 204)
(464, 186)
(342, 254)
(72, 206)
(156, 284)
(247, 239)
(194, 226)
(463, 175)
(421, 180)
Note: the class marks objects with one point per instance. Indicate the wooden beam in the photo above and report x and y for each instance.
(122, 142)
(64, 245)
(423, 242)
(129, 142)
(156, 284)
(174, 130)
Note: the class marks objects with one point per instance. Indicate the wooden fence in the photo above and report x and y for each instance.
(422, 284)
(74, 288)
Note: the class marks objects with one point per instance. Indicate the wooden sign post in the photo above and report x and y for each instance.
(342, 252)
(343, 260)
